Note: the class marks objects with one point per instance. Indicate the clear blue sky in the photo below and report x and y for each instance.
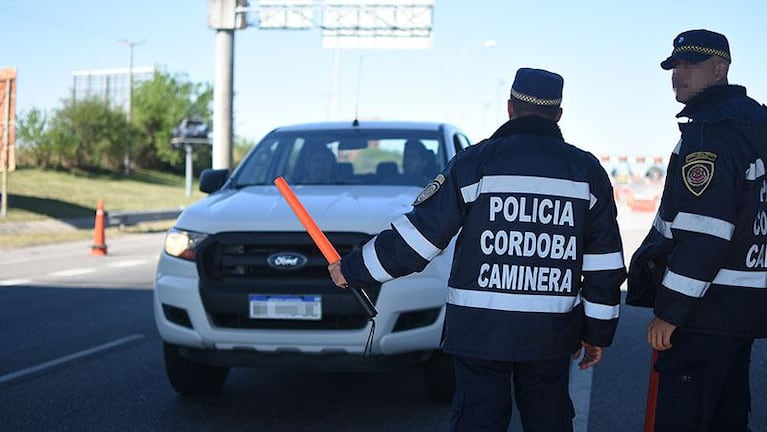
(617, 100)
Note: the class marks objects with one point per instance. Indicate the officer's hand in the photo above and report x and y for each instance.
(591, 355)
(336, 275)
(659, 334)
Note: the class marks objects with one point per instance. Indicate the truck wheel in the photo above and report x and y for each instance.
(439, 377)
(190, 378)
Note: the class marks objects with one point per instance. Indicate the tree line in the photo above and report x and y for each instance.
(91, 135)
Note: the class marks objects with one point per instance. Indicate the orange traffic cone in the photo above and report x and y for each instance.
(99, 247)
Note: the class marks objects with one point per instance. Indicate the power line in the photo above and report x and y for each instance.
(58, 24)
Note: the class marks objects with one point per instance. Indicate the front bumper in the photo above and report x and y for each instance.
(176, 285)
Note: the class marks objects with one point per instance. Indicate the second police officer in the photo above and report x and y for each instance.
(537, 267)
(702, 266)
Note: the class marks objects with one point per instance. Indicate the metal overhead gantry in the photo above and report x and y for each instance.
(345, 24)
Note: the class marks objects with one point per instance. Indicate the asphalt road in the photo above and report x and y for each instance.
(89, 359)
(79, 352)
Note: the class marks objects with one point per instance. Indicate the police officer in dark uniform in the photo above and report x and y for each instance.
(703, 265)
(537, 266)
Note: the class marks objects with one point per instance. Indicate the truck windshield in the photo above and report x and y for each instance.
(354, 157)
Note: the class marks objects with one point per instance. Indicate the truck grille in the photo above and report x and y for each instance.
(234, 265)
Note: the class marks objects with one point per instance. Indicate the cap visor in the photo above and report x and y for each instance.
(691, 57)
(668, 63)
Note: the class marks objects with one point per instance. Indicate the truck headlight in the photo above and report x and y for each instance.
(183, 244)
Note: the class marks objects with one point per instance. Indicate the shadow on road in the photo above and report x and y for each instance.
(67, 212)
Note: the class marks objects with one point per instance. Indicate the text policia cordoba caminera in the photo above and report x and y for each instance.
(545, 211)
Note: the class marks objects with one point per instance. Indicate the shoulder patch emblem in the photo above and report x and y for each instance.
(430, 189)
(698, 171)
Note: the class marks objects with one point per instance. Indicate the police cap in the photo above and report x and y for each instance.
(696, 46)
(537, 87)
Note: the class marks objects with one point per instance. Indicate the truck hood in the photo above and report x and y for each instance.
(367, 209)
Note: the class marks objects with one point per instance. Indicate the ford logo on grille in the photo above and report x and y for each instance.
(286, 261)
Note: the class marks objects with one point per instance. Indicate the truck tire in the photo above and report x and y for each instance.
(439, 377)
(190, 378)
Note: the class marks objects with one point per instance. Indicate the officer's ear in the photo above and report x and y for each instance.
(559, 114)
(721, 67)
(510, 109)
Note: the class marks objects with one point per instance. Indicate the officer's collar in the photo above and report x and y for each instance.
(529, 125)
(710, 97)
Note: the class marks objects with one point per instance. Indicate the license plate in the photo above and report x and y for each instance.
(295, 307)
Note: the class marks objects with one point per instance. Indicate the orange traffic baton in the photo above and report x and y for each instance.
(652, 395)
(322, 242)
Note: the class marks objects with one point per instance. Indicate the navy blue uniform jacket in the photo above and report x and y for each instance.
(538, 261)
(709, 237)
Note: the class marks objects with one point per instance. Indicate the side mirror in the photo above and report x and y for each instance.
(211, 180)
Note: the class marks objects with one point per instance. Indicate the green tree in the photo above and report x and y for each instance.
(159, 105)
(89, 134)
(33, 141)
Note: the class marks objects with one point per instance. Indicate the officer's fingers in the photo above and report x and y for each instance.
(650, 340)
(598, 351)
(591, 356)
(340, 281)
(589, 360)
(667, 339)
(661, 340)
(653, 339)
(336, 275)
(588, 363)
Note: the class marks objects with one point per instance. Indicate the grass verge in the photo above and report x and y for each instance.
(40, 195)
(35, 195)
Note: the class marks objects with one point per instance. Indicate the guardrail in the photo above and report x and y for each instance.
(123, 218)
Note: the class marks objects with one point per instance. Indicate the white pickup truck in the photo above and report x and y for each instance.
(241, 283)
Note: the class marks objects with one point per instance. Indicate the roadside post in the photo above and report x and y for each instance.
(188, 135)
(7, 135)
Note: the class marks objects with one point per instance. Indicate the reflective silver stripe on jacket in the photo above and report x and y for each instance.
(704, 225)
(415, 239)
(600, 311)
(662, 226)
(512, 302)
(526, 184)
(755, 170)
(744, 279)
(685, 285)
(370, 258)
(597, 262)
(592, 201)
(677, 147)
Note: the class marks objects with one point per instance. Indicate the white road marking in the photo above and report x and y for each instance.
(127, 263)
(79, 271)
(68, 358)
(72, 272)
(11, 282)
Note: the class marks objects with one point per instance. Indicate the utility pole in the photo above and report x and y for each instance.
(224, 16)
(129, 108)
(223, 100)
